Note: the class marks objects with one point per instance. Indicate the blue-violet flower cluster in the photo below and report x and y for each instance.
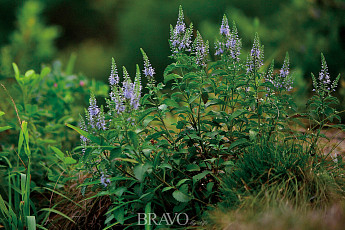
(230, 43)
(323, 85)
(256, 57)
(180, 35)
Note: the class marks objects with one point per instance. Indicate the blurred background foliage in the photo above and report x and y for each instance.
(36, 32)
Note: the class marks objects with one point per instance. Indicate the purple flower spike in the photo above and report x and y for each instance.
(201, 50)
(323, 85)
(100, 124)
(127, 85)
(224, 28)
(180, 26)
(148, 70)
(136, 90)
(285, 79)
(256, 58)
(114, 77)
(234, 44)
(180, 36)
(93, 110)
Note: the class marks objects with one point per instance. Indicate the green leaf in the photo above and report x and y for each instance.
(45, 71)
(238, 142)
(140, 170)
(237, 113)
(5, 128)
(69, 160)
(134, 139)
(70, 64)
(167, 189)
(146, 112)
(199, 176)
(92, 138)
(170, 77)
(172, 103)
(192, 167)
(16, 71)
(58, 152)
(180, 196)
(3, 207)
(31, 220)
(181, 182)
(147, 216)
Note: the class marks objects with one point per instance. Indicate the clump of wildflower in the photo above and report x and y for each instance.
(224, 28)
(100, 123)
(148, 70)
(201, 50)
(219, 47)
(136, 90)
(230, 43)
(127, 85)
(117, 100)
(104, 180)
(114, 77)
(323, 85)
(256, 57)
(95, 115)
(234, 44)
(83, 139)
(180, 35)
(93, 111)
(128, 96)
(283, 80)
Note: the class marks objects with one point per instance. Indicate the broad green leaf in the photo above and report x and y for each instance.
(170, 77)
(199, 176)
(192, 167)
(172, 103)
(237, 113)
(134, 139)
(69, 160)
(238, 142)
(31, 220)
(45, 71)
(140, 170)
(58, 152)
(146, 112)
(180, 196)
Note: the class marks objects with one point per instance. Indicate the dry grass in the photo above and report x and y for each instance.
(282, 218)
(88, 214)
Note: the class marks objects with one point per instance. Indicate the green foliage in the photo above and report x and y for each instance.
(32, 43)
(222, 120)
(43, 103)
